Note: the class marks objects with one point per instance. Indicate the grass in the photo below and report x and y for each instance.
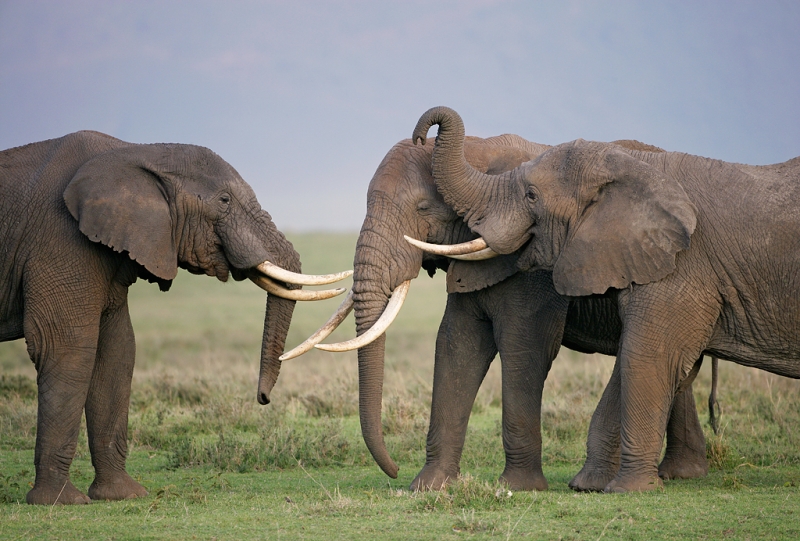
(218, 465)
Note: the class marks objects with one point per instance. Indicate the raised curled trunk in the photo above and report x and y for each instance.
(469, 191)
(381, 263)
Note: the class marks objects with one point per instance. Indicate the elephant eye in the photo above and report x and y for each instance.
(225, 199)
(531, 195)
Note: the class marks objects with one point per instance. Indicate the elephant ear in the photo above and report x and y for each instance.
(467, 276)
(633, 220)
(122, 205)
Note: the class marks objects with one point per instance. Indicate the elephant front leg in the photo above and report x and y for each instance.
(107, 409)
(62, 388)
(464, 350)
(602, 444)
(523, 381)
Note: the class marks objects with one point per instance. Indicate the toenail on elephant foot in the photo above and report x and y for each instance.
(63, 493)
(433, 478)
(121, 487)
(524, 480)
(591, 479)
(640, 483)
(683, 469)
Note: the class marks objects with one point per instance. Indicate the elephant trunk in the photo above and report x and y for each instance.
(277, 318)
(382, 261)
(278, 313)
(469, 191)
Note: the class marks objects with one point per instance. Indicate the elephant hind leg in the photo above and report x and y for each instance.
(107, 409)
(602, 443)
(685, 457)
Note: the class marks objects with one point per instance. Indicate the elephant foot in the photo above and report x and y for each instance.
(634, 483)
(523, 479)
(592, 478)
(119, 487)
(686, 467)
(63, 493)
(433, 478)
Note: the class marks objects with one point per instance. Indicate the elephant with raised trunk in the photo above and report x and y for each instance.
(700, 255)
(81, 218)
(492, 306)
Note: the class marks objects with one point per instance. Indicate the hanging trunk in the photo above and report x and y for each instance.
(277, 318)
(382, 262)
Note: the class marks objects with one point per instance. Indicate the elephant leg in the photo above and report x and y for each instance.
(665, 329)
(685, 457)
(523, 382)
(64, 369)
(528, 330)
(602, 444)
(107, 409)
(465, 348)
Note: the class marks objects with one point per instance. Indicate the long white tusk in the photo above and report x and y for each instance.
(274, 271)
(380, 326)
(294, 294)
(322, 333)
(474, 250)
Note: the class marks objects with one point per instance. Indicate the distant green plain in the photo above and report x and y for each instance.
(219, 466)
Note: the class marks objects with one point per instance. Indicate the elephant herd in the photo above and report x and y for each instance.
(657, 258)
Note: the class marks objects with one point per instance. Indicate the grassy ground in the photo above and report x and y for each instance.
(218, 465)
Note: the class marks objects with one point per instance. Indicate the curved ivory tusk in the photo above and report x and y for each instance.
(474, 250)
(294, 294)
(322, 333)
(278, 273)
(480, 255)
(380, 326)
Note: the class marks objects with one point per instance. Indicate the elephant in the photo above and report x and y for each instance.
(83, 217)
(700, 255)
(491, 306)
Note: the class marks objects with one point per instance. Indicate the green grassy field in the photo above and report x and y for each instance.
(219, 466)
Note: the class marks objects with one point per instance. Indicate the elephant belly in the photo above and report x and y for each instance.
(759, 334)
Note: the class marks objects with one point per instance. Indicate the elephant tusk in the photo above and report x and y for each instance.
(474, 250)
(294, 294)
(322, 333)
(380, 326)
(278, 273)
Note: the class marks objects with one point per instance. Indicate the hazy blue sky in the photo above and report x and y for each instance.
(305, 98)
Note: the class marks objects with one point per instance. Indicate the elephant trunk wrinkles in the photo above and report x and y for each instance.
(463, 187)
(278, 314)
(375, 276)
(277, 318)
(482, 199)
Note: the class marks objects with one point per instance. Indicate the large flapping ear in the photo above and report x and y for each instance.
(122, 205)
(632, 221)
(468, 276)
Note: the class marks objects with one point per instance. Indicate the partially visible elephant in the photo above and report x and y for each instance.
(81, 218)
(701, 256)
(491, 306)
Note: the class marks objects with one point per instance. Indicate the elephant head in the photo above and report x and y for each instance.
(170, 206)
(402, 200)
(593, 213)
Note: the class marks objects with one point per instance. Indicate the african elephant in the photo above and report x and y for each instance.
(491, 306)
(701, 256)
(83, 217)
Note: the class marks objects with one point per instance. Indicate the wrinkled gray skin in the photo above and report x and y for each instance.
(702, 256)
(81, 218)
(491, 306)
